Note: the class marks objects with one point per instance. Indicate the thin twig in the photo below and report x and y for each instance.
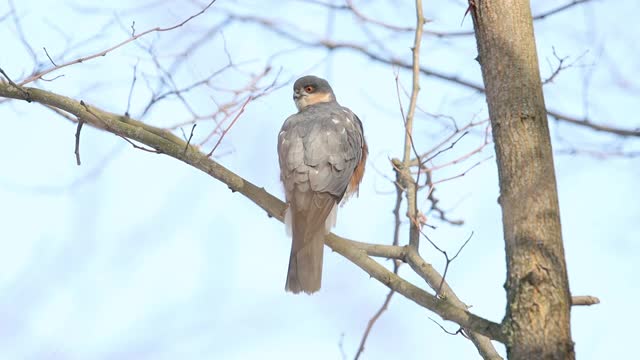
(559, 9)
(139, 147)
(464, 172)
(77, 147)
(21, 33)
(133, 84)
(433, 279)
(459, 331)
(341, 347)
(189, 139)
(372, 321)
(49, 57)
(27, 97)
(107, 127)
(38, 75)
(449, 261)
(371, 20)
(230, 125)
(422, 162)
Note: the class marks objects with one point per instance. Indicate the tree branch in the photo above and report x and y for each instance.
(584, 300)
(372, 321)
(438, 283)
(395, 61)
(167, 143)
(40, 74)
(559, 9)
(409, 184)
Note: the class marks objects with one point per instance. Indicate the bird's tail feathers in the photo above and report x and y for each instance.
(308, 227)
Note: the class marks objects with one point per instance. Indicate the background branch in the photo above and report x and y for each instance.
(40, 74)
(389, 59)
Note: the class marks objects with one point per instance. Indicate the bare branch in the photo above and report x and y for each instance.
(599, 154)
(584, 300)
(349, 6)
(77, 147)
(341, 347)
(371, 20)
(447, 258)
(62, 113)
(133, 84)
(26, 96)
(390, 60)
(464, 172)
(186, 147)
(48, 56)
(459, 331)
(559, 9)
(171, 145)
(230, 125)
(435, 281)
(408, 183)
(40, 74)
(5, 16)
(21, 35)
(372, 321)
(598, 127)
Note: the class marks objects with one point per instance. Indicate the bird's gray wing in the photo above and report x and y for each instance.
(318, 149)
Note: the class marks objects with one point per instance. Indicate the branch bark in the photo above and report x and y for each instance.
(438, 283)
(537, 320)
(410, 186)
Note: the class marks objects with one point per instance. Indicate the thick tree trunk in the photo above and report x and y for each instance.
(537, 321)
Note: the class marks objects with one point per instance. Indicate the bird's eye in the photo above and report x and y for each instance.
(309, 89)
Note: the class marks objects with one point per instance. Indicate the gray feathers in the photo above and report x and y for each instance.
(320, 145)
(319, 149)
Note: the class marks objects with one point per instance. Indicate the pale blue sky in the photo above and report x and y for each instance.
(137, 256)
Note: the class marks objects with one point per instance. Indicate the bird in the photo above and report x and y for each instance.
(322, 154)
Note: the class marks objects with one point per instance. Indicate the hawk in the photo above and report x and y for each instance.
(322, 154)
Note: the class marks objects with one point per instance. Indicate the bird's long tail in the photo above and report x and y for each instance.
(309, 227)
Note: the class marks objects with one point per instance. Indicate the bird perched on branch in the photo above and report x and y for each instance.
(322, 153)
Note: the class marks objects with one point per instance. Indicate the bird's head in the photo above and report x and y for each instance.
(309, 90)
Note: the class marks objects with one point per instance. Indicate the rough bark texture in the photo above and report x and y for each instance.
(537, 320)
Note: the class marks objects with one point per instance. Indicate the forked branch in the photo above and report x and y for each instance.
(167, 143)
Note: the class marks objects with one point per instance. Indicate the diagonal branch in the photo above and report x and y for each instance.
(167, 143)
(438, 283)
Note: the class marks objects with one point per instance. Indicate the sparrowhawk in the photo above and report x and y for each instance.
(322, 153)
